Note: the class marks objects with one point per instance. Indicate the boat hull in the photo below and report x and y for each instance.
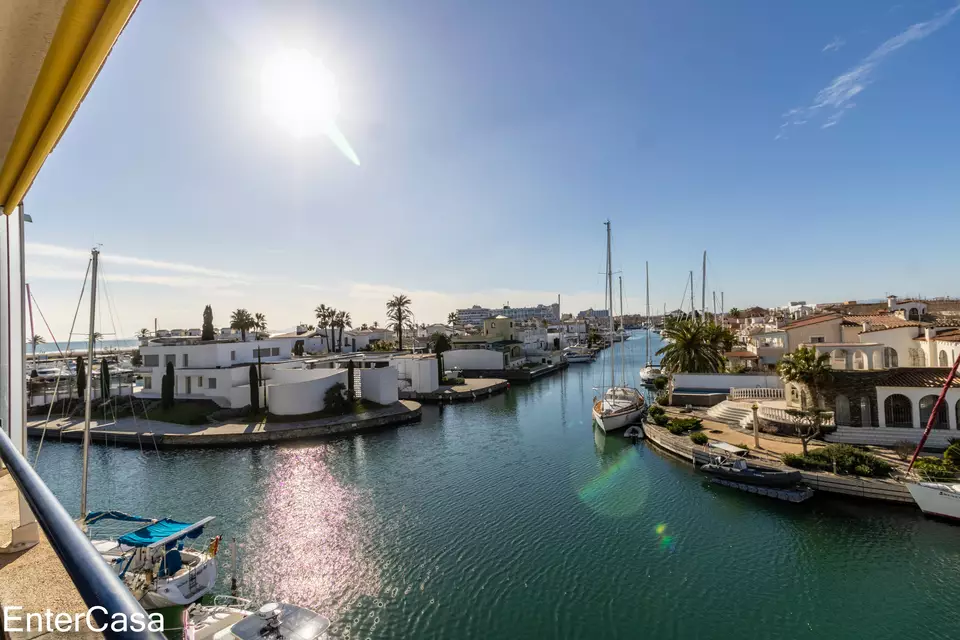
(935, 499)
(616, 421)
(575, 359)
(183, 589)
(753, 476)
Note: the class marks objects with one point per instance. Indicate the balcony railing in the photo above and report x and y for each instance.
(756, 393)
(780, 415)
(95, 581)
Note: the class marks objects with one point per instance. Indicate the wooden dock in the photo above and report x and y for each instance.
(472, 389)
(788, 495)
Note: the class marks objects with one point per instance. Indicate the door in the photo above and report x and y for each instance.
(189, 379)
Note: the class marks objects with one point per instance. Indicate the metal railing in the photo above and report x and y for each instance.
(756, 393)
(95, 581)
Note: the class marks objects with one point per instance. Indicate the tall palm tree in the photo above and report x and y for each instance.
(34, 341)
(363, 327)
(690, 348)
(260, 324)
(734, 313)
(721, 337)
(242, 321)
(322, 313)
(805, 367)
(452, 317)
(398, 312)
(143, 333)
(343, 320)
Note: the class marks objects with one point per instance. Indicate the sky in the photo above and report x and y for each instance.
(809, 147)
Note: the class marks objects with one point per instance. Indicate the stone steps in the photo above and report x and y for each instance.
(732, 413)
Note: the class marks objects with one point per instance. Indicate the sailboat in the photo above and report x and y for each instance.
(152, 560)
(620, 405)
(650, 372)
(231, 618)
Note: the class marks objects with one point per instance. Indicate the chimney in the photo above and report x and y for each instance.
(891, 300)
(866, 325)
(929, 333)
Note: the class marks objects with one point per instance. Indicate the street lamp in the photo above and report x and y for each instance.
(756, 426)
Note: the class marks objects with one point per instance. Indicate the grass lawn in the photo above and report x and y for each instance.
(189, 412)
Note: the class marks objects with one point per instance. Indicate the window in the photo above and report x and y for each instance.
(897, 411)
(926, 408)
(199, 382)
(858, 360)
(276, 350)
(148, 381)
(186, 360)
(152, 360)
(211, 383)
(842, 411)
(866, 417)
(890, 359)
(816, 339)
(233, 355)
(170, 358)
(943, 359)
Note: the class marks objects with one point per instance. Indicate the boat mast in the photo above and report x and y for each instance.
(691, 293)
(649, 359)
(89, 394)
(613, 350)
(623, 340)
(703, 290)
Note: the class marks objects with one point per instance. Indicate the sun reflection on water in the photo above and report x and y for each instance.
(307, 541)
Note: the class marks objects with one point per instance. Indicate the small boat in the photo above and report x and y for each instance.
(575, 354)
(232, 618)
(937, 498)
(153, 562)
(633, 431)
(650, 373)
(619, 408)
(740, 471)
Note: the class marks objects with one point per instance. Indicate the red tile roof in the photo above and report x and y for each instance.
(880, 321)
(949, 335)
(932, 377)
(812, 320)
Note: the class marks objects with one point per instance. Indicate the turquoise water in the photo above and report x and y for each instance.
(512, 518)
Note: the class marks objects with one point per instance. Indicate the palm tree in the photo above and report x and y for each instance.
(363, 327)
(34, 341)
(398, 312)
(343, 320)
(322, 313)
(690, 348)
(376, 325)
(260, 324)
(734, 313)
(143, 333)
(805, 367)
(242, 321)
(97, 337)
(721, 337)
(452, 317)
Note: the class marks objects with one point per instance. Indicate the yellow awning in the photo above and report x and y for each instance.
(50, 53)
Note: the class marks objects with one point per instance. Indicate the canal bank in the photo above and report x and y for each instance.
(150, 434)
(520, 376)
(513, 518)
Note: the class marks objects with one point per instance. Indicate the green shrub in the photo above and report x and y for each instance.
(660, 383)
(934, 469)
(699, 438)
(862, 470)
(688, 423)
(661, 420)
(675, 429)
(903, 449)
(663, 398)
(842, 458)
(656, 410)
(335, 400)
(952, 455)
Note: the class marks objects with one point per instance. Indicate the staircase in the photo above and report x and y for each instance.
(736, 414)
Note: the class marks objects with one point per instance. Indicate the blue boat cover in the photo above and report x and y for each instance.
(96, 516)
(145, 536)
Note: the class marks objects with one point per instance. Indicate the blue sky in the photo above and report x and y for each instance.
(494, 138)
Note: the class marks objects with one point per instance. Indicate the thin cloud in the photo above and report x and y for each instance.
(834, 45)
(55, 251)
(838, 96)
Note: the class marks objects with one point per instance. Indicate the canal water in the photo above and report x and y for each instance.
(511, 518)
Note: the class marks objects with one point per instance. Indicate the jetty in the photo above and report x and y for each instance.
(472, 389)
(148, 434)
(522, 375)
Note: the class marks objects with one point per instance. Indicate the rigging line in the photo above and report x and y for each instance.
(56, 387)
(111, 307)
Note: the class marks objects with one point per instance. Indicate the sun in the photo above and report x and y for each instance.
(299, 94)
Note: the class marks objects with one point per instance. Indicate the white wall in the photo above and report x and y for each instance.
(472, 359)
(725, 381)
(306, 396)
(421, 373)
(900, 339)
(239, 396)
(380, 385)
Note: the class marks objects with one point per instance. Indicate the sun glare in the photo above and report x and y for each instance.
(299, 93)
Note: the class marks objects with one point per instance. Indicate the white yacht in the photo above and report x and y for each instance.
(153, 562)
(937, 498)
(650, 373)
(620, 405)
(578, 354)
(231, 618)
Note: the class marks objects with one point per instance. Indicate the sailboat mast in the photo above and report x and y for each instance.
(703, 289)
(613, 351)
(623, 340)
(691, 293)
(89, 394)
(647, 265)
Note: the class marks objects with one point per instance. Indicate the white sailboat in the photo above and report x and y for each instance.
(650, 372)
(620, 405)
(231, 618)
(152, 560)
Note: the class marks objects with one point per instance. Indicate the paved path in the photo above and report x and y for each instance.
(147, 432)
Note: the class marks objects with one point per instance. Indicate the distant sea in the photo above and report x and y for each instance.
(81, 345)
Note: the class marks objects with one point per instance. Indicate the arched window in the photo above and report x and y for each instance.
(914, 314)
(890, 359)
(943, 359)
(897, 411)
(839, 358)
(842, 411)
(918, 358)
(858, 360)
(926, 407)
(866, 417)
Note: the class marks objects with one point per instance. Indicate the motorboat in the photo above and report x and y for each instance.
(650, 373)
(738, 470)
(52, 373)
(619, 408)
(577, 354)
(153, 561)
(232, 618)
(937, 498)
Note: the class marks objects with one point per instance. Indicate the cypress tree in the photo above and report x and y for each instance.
(81, 377)
(206, 333)
(254, 389)
(104, 379)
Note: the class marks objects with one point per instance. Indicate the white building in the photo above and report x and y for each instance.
(909, 309)
(476, 314)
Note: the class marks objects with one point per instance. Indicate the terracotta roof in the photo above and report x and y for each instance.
(812, 320)
(933, 377)
(880, 321)
(949, 335)
(740, 354)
